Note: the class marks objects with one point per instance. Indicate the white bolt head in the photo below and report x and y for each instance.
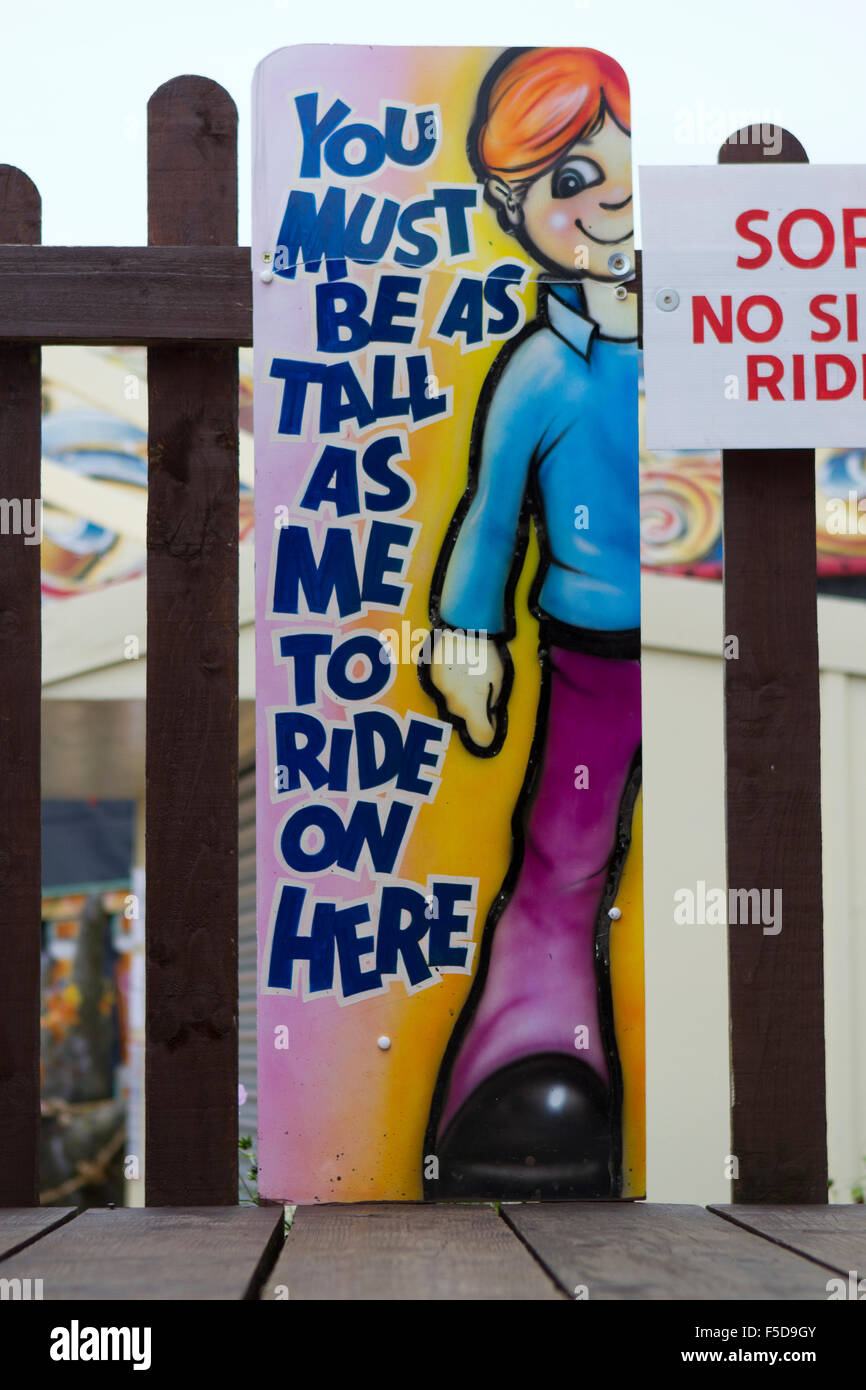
(614, 914)
(384, 1043)
(667, 300)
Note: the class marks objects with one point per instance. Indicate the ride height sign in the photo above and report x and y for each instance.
(447, 626)
(755, 306)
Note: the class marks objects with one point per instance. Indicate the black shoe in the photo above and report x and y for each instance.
(539, 1128)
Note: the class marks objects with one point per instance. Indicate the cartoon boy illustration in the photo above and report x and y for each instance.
(521, 1108)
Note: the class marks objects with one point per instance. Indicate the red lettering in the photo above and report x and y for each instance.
(799, 377)
(850, 239)
(769, 381)
(828, 238)
(759, 335)
(833, 326)
(825, 392)
(701, 311)
(765, 249)
(851, 316)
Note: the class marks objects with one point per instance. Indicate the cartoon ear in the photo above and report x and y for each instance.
(498, 191)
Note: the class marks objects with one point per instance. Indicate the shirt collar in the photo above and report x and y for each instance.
(566, 312)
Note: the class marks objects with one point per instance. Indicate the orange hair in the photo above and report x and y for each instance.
(542, 103)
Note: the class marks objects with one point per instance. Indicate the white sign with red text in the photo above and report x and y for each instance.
(754, 306)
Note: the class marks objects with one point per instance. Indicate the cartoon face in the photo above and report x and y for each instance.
(579, 213)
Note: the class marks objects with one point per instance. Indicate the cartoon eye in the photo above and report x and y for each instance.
(572, 178)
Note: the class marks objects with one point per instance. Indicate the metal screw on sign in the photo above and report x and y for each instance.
(620, 292)
(667, 300)
(618, 263)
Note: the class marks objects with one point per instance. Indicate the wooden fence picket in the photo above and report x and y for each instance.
(20, 734)
(191, 812)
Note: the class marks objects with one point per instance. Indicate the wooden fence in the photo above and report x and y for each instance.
(187, 298)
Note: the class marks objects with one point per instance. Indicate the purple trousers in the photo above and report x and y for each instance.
(541, 983)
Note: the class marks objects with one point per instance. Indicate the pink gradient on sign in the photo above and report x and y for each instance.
(323, 1109)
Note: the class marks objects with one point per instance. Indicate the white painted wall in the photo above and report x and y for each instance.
(688, 1135)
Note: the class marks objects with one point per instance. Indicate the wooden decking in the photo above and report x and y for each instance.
(442, 1252)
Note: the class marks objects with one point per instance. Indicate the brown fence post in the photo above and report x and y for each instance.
(20, 731)
(772, 733)
(191, 1080)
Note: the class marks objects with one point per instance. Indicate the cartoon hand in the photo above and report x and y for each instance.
(470, 689)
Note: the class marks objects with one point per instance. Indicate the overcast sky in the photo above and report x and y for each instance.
(75, 76)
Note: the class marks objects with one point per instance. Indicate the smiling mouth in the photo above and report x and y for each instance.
(600, 241)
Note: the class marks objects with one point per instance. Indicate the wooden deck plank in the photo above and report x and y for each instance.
(405, 1251)
(158, 1253)
(20, 1226)
(834, 1236)
(635, 1251)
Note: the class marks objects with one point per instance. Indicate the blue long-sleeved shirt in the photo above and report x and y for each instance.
(564, 416)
